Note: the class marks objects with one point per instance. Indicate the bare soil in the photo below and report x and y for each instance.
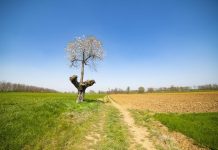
(170, 102)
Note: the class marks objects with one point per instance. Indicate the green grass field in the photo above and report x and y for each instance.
(27, 117)
(202, 127)
(55, 121)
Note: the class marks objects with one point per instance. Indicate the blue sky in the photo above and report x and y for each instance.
(150, 43)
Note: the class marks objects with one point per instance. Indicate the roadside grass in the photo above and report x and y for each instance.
(28, 119)
(142, 117)
(146, 119)
(115, 133)
(202, 127)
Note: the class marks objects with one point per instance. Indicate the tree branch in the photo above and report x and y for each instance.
(88, 83)
(88, 58)
(73, 80)
(82, 86)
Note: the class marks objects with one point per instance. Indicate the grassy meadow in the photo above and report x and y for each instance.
(27, 117)
(56, 121)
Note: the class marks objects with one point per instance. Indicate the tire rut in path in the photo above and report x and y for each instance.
(140, 134)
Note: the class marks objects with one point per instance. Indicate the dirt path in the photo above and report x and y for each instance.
(140, 134)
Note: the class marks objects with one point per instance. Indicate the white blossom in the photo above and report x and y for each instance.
(85, 49)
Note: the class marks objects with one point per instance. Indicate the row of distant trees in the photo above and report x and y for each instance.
(141, 89)
(13, 87)
(128, 90)
(206, 87)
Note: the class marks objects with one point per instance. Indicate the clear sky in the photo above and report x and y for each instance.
(150, 43)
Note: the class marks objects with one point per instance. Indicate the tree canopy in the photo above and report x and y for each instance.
(86, 49)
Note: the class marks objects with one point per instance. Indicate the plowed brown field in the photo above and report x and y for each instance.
(170, 102)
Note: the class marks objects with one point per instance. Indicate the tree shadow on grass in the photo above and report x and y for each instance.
(93, 101)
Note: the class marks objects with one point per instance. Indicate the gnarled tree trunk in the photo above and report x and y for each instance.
(81, 87)
(80, 97)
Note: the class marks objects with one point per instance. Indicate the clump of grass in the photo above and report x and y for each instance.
(202, 127)
(27, 117)
(142, 117)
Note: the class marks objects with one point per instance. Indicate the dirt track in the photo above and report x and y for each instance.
(170, 102)
(139, 133)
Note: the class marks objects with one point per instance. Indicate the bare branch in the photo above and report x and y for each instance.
(73, 80)
(82, 86)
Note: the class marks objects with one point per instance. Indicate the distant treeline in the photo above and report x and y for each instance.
(13, 87)
(207, 87)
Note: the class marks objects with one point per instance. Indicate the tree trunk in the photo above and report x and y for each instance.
(82, 69)
(80, 96)
(81, 87)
